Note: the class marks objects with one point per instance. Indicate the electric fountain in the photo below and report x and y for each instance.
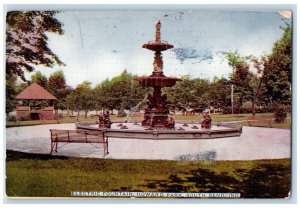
(158, 121)
(157, 113)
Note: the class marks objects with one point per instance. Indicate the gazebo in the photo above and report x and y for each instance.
(35, 103)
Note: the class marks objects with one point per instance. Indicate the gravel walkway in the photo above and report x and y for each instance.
(254, 143)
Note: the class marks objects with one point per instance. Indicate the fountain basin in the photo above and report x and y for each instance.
(158, 45)
(157, 81)
(182, 130)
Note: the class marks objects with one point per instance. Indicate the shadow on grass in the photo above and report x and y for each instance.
(15, 155)
(258, 179)
(264, 181)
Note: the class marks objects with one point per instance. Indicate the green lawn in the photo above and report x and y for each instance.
(64, 120)
(44, 175)
(262, 120)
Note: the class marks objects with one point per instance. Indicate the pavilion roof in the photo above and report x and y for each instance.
(35, 92)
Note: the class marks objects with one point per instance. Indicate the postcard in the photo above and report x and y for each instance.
(149, 104)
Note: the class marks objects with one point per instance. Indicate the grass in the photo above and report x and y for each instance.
(38, 122)
(39, 175)
(260, 120)
(64, 120)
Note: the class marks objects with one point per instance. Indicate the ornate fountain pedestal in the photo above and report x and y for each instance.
(157, 112)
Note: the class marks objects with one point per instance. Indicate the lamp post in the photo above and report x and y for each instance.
(232, 98)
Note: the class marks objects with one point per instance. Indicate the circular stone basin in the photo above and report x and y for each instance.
(158, 81)
(182, 130)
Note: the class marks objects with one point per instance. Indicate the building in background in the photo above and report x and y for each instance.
(35, 103)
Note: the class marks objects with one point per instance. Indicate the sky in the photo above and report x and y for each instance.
(98, 45)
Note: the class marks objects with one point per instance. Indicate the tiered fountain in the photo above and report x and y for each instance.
(156, 115)
(158, 123)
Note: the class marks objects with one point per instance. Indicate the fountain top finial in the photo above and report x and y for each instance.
(158, 26)
(157, 45)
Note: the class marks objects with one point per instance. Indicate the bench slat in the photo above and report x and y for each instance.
(77, 136)
(80, 136)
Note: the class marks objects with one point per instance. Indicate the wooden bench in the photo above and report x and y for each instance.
(77, 136)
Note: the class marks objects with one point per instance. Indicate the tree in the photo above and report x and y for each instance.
(121, 92)
(245, 82)
(107, 96)
(58, 87)
(81, 98)
(189, 93)
(11, 92)
(278, 69)
(133, 93)
(40, 79)
(84, 97)
(26, 41)
(219, 92)
(274, 70)
(71, 102)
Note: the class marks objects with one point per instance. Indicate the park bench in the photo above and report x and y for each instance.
(77, 136)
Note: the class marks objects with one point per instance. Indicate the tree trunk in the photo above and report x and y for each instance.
(255, 97)
(271, 101)
(77, 118)
(253, 107)
(85, 113)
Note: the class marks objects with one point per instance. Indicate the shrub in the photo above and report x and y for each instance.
(25, 118)
(11, 118)
(263, 110)
(121, 113)
(247, 106)
(236, 110)
(289, 108)
(280, 113)
(227, 110)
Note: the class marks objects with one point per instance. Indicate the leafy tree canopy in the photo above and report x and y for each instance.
(26, 41)
(40, 79)
(278, 69)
